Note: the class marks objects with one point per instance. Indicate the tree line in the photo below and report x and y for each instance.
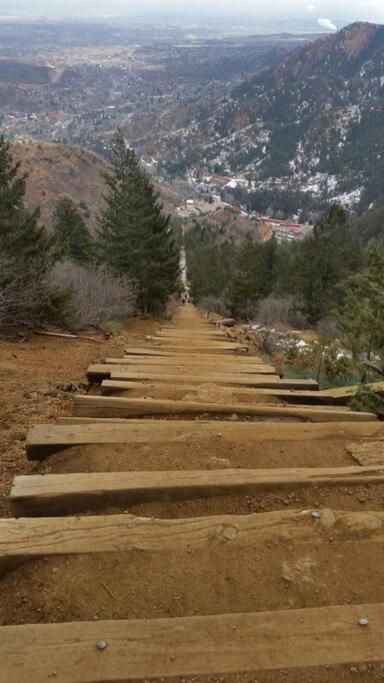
(309, 270)
(333, 278)
(133, 247)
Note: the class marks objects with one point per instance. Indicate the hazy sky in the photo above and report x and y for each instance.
(322, 12)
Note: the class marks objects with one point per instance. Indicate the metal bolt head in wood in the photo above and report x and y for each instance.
(363, 622)
(101, 645)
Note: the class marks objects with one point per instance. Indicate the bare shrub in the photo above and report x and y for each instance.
(285, 311)
(214, 304)
(32, 304)
(266, 341)
(97, 295)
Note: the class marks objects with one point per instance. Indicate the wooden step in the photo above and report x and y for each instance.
(115, 386)
(343, 395)
(144, 351)
(224, 347)
(45, 439)
(221, 363)
(192, 342)
(185, 646)
(68, 493)
(102, 406)
(191, 355)
(25, 539)
(192, 368)
(199, 334)
(125, 372)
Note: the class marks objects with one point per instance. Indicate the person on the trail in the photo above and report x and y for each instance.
(183, 299)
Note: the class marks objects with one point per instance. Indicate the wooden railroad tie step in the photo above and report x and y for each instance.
(61, 493)
(343, 395)
(189, 334)
(244, 394)
(123, 372)
(104, 406)
(187, 347)
(223, 644)
(25, 539)
(191, 355)
(192, 368)
(223, 364)
(45, 439)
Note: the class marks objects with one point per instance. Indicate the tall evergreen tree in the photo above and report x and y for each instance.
(361, 317)
(26, 250)
(72, 235)
(323, 260)
(247, 284)
(269, 257)
(134, 235)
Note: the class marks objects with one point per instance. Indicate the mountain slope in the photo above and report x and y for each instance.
(55, 170)
(313, 123)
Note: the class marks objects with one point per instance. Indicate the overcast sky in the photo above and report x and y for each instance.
(322, 12)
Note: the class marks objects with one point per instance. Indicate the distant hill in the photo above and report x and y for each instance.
(311, 124)
(55, 170)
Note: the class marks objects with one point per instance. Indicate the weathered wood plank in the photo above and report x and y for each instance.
(223, 644)
(344, 394)
(44, 439)
(223, 364)
(195, 368)
(211, 336)
(61, 493)
(24, 539)
(295, 396)
(193, 355)
(226, 348)
(124, 372)
(102, 406)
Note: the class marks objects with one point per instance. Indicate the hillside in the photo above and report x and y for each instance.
(55, 170)
(21, 73)
(230, 225)
(312, 124)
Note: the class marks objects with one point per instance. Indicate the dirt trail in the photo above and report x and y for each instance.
(265, 551)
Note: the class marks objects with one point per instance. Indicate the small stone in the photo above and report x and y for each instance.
(131, 526)
(101, 645)
(316, 514)
(234, 417)
(363, 622)
(219, 434)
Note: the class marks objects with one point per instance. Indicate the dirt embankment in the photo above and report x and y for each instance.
(33, 373)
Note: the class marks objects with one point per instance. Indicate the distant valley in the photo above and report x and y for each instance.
(276, 124)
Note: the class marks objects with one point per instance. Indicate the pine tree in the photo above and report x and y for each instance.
(323, 260)
(269, 256)
(361, 316)
(25, 247)
(247, 284)
(27, 253)
(134, 235)
(72, 235)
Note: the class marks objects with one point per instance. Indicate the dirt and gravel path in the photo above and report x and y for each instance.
(189, 581)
